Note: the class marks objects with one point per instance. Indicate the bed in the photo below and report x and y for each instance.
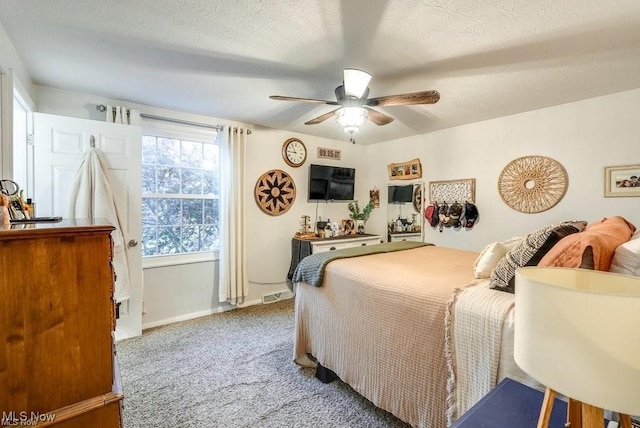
(412, 330)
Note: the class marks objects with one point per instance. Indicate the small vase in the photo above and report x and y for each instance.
(360, 227)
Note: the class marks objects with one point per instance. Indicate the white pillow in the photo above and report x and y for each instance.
(626, 258)
(491, 255)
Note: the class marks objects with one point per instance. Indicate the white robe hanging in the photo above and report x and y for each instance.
(92, 197)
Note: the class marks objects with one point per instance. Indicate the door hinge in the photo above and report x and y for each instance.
(30, 139)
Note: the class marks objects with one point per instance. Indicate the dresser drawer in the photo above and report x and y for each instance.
(340, 243)
(394, 237)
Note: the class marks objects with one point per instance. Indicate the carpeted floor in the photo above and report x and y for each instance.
(233, 369)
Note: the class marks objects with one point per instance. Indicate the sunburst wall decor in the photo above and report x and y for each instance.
(532, 184)
(275, 192)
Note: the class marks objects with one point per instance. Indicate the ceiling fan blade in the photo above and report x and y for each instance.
(378, 117)
(321, 118)
(355, 82)
(424, 97)
(303, 100)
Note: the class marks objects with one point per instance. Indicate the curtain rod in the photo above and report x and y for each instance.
(103, 108)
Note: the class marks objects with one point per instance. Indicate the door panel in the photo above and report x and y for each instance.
(59, 143)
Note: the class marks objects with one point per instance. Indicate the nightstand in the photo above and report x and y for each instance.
(511, 404)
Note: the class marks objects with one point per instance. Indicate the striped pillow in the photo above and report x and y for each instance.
(529, 252)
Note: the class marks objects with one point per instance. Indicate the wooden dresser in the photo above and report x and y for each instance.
(57, 318)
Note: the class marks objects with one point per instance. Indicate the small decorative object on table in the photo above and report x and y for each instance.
(349, 227)
(4, 209)
(305, 223)
(360, 216)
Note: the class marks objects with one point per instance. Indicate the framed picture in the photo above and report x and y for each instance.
(349, 227)
(374, 196)
(621, 181)
(405, 170)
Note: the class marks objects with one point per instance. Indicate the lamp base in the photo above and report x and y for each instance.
(579, 414)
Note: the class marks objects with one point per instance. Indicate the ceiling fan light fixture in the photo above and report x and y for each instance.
(355, 82)
(351, 118)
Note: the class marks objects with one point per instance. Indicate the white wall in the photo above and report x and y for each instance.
(269, 250)
(178, 292)
(583, 136)
(14, 78)
(10, 60)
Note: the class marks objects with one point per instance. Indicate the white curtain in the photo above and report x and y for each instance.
(234, 285)
(119, 114)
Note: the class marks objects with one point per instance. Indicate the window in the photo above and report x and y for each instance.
(180, 192)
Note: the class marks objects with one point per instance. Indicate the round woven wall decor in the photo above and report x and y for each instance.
(275, 192)
(532, 184)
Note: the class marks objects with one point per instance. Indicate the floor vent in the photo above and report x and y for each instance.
(270, 298)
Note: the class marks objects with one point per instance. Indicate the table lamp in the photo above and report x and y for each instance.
(577, 332)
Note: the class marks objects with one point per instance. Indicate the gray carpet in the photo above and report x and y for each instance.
(233, 369)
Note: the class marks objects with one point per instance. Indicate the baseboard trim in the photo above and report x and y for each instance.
(192, 315)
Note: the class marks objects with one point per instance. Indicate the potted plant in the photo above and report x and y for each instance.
(360, 217)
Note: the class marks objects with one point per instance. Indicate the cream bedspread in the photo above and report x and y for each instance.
(381, 329)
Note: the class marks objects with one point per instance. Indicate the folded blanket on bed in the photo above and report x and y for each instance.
(473, 336)
(311, 268)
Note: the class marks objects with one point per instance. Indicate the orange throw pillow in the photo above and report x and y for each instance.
(591, 249)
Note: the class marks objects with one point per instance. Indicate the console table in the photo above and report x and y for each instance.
(300, 248)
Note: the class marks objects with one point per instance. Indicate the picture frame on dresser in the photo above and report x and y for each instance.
(622, 181)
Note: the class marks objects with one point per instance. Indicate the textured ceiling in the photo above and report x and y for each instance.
(487, 58)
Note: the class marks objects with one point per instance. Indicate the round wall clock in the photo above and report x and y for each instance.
(275, 192)
(294, 152)
(532, 184)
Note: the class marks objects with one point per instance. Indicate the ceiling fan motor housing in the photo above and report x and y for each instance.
(350, 101)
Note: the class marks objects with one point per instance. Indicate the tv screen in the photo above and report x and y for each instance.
(331, 183)
(399, 194)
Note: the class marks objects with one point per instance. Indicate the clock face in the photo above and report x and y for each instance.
(294, 152)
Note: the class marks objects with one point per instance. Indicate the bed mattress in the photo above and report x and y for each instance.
(378, 322)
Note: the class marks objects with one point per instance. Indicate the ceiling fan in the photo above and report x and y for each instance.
(355, 107)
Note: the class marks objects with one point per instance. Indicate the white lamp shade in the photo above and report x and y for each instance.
(577, 332)
(355, 82)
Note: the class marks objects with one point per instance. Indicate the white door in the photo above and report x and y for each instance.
(59, 143)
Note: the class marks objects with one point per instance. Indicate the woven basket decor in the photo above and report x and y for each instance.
(532, 184)
(275, 192)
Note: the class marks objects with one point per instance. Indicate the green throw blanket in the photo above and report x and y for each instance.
(311, 268)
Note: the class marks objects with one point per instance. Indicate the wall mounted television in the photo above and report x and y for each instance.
(331, 183)
(398, 194)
